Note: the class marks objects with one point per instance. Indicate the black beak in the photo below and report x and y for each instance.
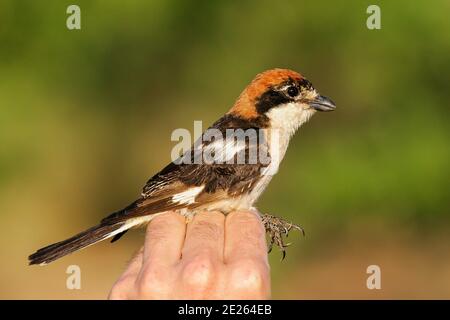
(322, 103)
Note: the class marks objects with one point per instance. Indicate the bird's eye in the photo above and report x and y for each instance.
(292, 91)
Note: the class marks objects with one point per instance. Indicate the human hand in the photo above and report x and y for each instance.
(212, 257)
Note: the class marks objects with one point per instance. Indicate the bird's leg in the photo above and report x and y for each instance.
(276, 228)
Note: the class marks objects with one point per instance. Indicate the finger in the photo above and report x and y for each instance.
(135, 265)
(245, 237)
(205, 235)
(164, 239)
(124, 288)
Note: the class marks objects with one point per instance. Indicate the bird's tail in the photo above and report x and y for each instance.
(77, 242)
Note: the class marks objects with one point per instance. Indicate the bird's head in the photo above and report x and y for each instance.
(280, 98)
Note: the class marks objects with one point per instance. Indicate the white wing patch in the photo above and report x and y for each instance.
(188, 196)
(223, 150)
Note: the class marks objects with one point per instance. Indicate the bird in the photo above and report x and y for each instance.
(273, 106)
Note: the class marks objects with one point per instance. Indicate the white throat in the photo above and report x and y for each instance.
(286, 119)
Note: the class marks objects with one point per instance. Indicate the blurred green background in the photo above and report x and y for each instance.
(82, 111)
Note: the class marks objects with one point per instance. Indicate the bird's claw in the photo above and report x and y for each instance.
(276, 228)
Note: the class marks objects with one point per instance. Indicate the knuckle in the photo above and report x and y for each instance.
(117, 295)
(250, 275)
(120, 289)
(199, 272)
(150, 278)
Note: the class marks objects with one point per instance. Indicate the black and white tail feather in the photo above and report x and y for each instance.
(77, 242)
(113, 226)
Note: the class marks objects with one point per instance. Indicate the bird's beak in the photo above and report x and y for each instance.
(321, 103)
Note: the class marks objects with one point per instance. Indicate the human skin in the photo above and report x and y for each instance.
(212, 257)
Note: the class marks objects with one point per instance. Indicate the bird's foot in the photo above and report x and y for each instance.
(278, 228)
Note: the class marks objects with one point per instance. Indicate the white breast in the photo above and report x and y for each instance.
(285, 120)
